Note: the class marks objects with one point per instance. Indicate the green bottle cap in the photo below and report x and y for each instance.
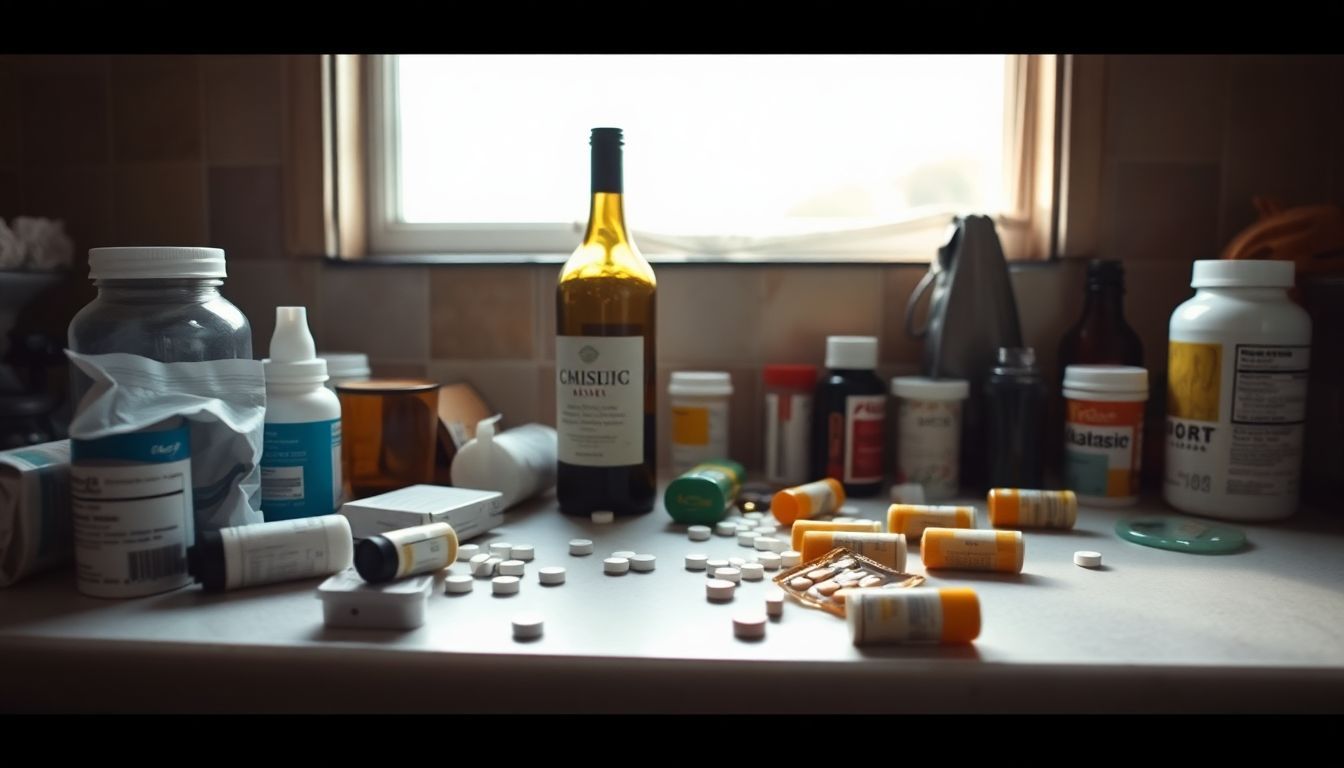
(704, 493)
(1181, 535)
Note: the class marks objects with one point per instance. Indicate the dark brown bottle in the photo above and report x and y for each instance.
(1101, 336)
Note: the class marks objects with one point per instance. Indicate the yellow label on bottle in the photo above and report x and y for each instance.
(1194, 380)
(690, 426)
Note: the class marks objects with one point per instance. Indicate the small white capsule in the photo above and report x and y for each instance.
(1087, 558)
(746, 538)
(753, 571)
(478, 558)
(511, 568)
(728, 574)
(458, 584)
(719, 589)
(749, 627)
(626, 553)
(580, 547)
(790, 558)
(603, 517)
(725, 528)
(774, 603)
(467, 551)
(615, 566)
(696, 562)
(501, 549)
(505, 585)
(769, 560)
(643, 563)
(527, 627)
(551, 575)
(524, 552)
(698, 532)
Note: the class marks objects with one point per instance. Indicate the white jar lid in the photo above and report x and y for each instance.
(924, 388)
(1106, 378)
(1242, 273)
(851, 352)
(708, 383)
(155, 263)
(346, 364)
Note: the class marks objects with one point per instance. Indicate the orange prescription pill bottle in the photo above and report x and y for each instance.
(822, 497)
(886, 548)
(919, 615)
(1024, 508)
(912, 519)
(803, 526)
(970, 550)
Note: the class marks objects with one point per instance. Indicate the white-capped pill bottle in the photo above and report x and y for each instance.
(928, 433)
(788, 422)
(1237, 367)
(1103, 432)
(699, 417)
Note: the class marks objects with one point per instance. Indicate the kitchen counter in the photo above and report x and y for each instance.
(1152, 630)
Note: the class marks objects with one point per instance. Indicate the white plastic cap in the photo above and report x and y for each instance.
(155, 263)
(1106, 378)
(707, 383)
(923, 388)
(851, 352)
(1242, 273)
(347, 365)
(293, 357)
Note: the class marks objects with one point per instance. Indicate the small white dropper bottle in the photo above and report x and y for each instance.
(301, 445)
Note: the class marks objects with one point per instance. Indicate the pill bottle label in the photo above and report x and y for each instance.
(599, 392)
(1235, 416)
(865, 417)
(699, 433)
(132, 507)
(1103, 445)
(300, 469)
(912, 519)
(421, 550)
(913, 616)
(928, 440)
(885, 549)
(788, 421)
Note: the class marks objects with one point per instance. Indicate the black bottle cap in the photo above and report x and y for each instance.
(605, 136)
(205, 561)
(1105, 272)
(376, 559)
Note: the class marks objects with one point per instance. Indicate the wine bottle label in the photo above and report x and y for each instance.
(599, 400)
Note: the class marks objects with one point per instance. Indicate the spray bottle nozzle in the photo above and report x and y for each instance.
(293, 354)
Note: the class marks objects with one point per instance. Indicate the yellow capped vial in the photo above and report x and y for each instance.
(886, 548)
(822, 497)
(912, 519)
(1022, 508)
(803, 526)
(972, 550)
(918, 615)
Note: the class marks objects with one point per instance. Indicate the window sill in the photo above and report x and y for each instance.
(661, 260)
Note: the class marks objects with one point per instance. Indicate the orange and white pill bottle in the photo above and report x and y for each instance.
(803, 527)
(886, 548)
(912, 519)
(1103, 432)
(1029, 508)
(919, 615)
(822, 497)
(972, 550)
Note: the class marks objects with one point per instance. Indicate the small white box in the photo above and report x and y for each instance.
(349, 601)
(469, 511)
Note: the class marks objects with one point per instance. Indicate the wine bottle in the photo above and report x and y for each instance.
(605, 355)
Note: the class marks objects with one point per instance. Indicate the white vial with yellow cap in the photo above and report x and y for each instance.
(920, 615)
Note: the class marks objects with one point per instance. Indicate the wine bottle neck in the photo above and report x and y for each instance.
(606, 219)
(607, 172)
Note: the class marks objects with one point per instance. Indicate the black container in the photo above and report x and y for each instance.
(1015, 420)
(849, 417)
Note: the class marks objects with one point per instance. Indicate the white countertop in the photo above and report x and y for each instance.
(1151, 630)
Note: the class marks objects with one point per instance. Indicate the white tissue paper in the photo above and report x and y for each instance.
(225, 403)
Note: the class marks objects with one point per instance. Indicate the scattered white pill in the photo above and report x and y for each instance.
(746, 525)
(764, 543)
(643, 563)
(698, 532)
(696, 562)
(1087, 558)
(579, 547)
(615, 566)
(458, 584)
(505, 585)
(752, 571)
(466, 552)
(478, 558)
(790, 558)
(524, 552)
(527, 627)
(719, 589)
(736, 562)
(626, 553)
(746, 538)
(749, 627)
(501, 549)
(728, 574)
(773, 544)
(769, 560)
(603, 517)
(774, 603)
(754, 516)
(482, 569)
(511, 568)
(551, 575)
(725, 528)
(766, 530)
(715, 564)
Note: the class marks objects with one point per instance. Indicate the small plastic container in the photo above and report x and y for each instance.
(350, 602)
(699, 417)
(788, 422)
(345, 366)
(1103, 432)
(928, 433)
(849, 416)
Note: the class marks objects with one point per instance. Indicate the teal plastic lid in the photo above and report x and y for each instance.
(1181, 535)
(703, 494)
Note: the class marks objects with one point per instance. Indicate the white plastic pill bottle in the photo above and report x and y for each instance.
(699, 417)
(1237, 369)
(1103, 432)
(928, 433)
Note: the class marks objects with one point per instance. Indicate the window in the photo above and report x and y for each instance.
(727, 156)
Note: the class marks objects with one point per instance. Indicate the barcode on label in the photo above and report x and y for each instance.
(151, 564)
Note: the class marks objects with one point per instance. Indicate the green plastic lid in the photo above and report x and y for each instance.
(703, 495)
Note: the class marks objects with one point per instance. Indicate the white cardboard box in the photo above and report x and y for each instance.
(469, 511)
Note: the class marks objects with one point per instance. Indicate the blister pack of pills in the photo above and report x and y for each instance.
(819, 583)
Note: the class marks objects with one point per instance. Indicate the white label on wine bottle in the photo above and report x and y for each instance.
(599, 400)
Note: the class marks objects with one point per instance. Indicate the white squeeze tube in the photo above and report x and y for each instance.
(518, 463)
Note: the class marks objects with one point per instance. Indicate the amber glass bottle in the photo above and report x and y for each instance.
(1101, 336)
(604, 356)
